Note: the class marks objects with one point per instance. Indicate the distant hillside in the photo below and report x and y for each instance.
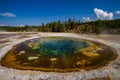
(72, 25)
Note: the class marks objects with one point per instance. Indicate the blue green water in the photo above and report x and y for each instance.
(57, 47)
(59, 54)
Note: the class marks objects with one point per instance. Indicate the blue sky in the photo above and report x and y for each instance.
(35, 12)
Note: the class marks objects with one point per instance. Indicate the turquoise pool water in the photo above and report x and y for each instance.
(60, 54)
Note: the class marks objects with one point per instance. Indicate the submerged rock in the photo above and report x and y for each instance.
(21, 52)
(30, 44)
(53, 59)
(82, 62)
(91, 54)
(99, 49)
(32, 58)
(33, 45)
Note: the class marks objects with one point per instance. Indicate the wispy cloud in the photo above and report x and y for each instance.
(2, 24)
(21, 25)
(117, 12)
(7, 14)
(103, 15)
(86, 19)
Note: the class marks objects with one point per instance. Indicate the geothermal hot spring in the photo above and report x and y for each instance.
(58, 54)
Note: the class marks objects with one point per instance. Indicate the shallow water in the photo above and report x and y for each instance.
(58, 54)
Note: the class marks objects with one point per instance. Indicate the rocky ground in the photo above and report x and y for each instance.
(109, 72)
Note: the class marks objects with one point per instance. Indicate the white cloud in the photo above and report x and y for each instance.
(21, 25)
(103, 15)
(7, 14)
(117, 12)
(86, 19)
(2, 24)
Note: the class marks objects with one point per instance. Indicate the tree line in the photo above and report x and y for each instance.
(72, 25)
